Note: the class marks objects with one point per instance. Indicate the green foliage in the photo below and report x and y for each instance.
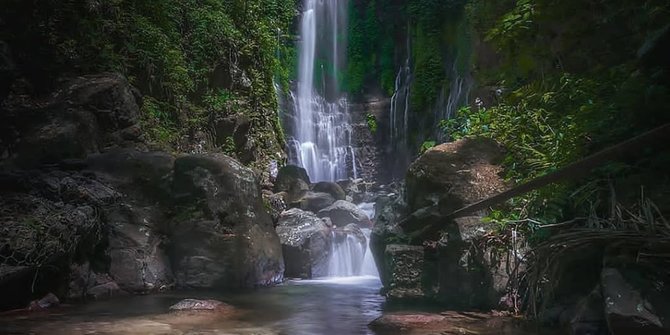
(565, 95)
(426, 145)
(371, 121)
(186, 56)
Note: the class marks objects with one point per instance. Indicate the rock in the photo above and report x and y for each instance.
(405, 264)
(219, 209)
(589, 318)
(306, 242)
(146, 175)
(200, 305)
(292, 180)
(315, 201)
(451, 322)
(342, 213)
(83, 116)
(48, 301)
(455, 174)
(331, 188)
(386, 230)
(403, 322)
(7, 70)
(104, 291)
(627, 311)
(276, 204)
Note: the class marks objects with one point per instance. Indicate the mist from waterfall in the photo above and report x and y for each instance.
(321, 142)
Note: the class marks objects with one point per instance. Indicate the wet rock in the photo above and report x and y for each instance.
(276, 204)
(404, 264)
(138, 262)
(306, 242)
(589, 318)
(315, 201)
(104, 291)
(200, 305)
(48, 301)
(398, 322)
(331, 188)
(627, 311)
(342, 213)
(451, 322)
(292, 180)
(219, 209)
(386, 230)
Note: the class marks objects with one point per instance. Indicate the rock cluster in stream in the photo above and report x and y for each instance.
(89, 211)
(313, 217)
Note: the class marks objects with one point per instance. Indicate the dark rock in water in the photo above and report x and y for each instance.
(306, 242)
(331, 188)
(405, 264)
(137, 223)
(315, 201)
(48, 301)
(220, 210)
(386, 230)
(450, 322)
(589, 318)
(292, 180)
(342, 213)
(629, 312)
(405, 322)
(200, 305)
(104, 291)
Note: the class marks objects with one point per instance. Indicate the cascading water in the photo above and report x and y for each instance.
(350, 257)
(446, 105)
(321, 142)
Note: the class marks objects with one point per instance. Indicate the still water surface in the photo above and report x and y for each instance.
(336, 306)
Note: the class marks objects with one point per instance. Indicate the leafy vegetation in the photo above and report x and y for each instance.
(564, 95)
(191, 59)
(371, 121)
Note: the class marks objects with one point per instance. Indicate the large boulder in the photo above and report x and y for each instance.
(315, 201)
(293, 180)
(455, 174)
(461, 270)
(306, 242)
(138, 262)
(221, 235)
(331, 188)
(342, 213)
(136, 221)
(634, 304)
(405, 263)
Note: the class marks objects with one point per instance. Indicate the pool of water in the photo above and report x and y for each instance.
(331, 306)
(306, 307)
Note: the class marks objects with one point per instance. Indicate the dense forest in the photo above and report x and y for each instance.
(216, 146)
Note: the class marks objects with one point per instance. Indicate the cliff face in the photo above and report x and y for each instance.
(89, 211)
(205, 71)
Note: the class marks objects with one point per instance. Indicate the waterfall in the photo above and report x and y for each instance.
(321, 142)
(350, 257)
(447, 105)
